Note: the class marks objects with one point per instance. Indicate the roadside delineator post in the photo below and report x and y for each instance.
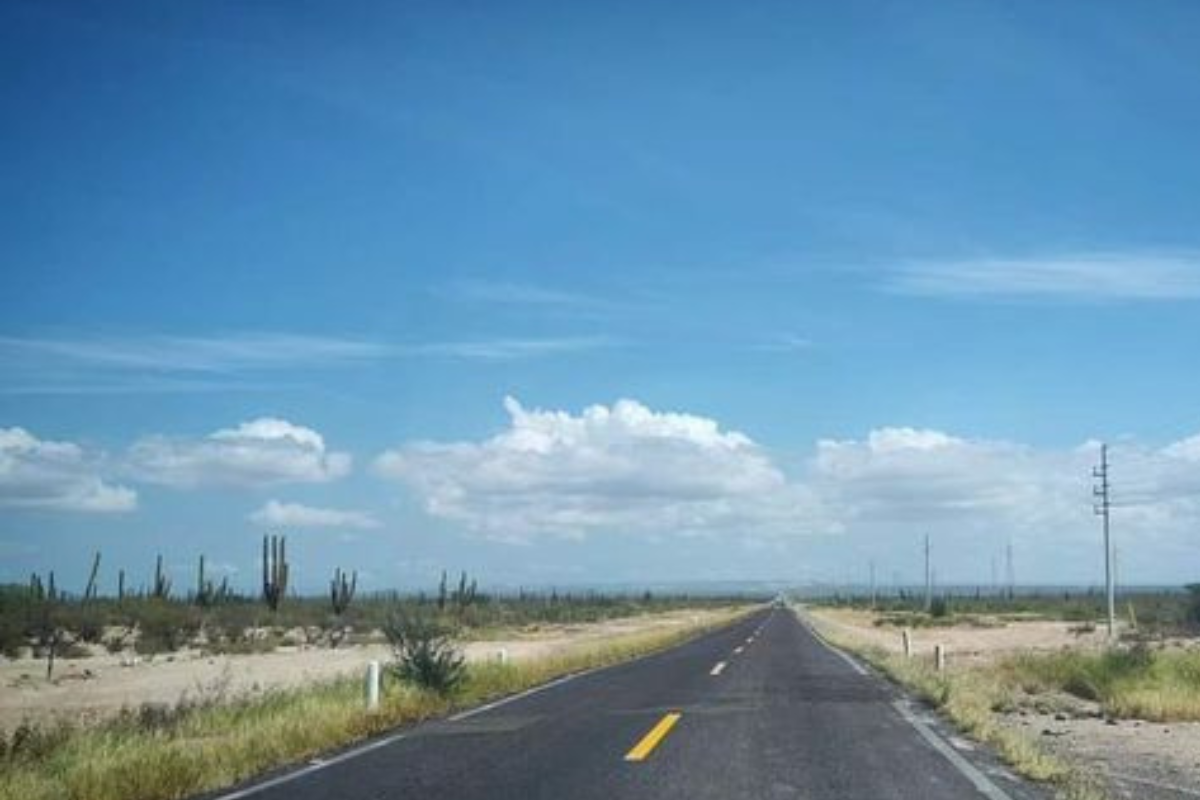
(372, 688)
(939, 657)
(907, 643)
(502, 655)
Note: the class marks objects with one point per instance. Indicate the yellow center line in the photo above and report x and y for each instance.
(651, 740)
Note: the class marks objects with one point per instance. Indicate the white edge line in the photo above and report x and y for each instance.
(718, 669)
(981, 782)
(346, 755)
(384, 742)
(849, 659)
(968, 770)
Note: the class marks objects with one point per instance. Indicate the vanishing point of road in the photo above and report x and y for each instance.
(759, 709)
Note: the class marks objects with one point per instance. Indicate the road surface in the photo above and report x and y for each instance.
(761, 709)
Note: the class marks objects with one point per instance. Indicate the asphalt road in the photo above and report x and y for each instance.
(785, 717)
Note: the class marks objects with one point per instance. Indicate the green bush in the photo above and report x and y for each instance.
(424, 650)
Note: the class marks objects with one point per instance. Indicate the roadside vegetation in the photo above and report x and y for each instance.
(1161, 612)
(1151, 673)
(150, 614)
(971, 699)
(212, 740)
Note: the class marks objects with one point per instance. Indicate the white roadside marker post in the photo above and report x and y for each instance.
(939, 657)
(502, 656)
(372, 685)
(907, 643)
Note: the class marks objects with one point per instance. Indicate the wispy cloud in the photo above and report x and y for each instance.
(512, 349)
(296, 515)
(524, 294)
(784, 343)
(214, 354)
(546, 299)
(1072, 277)
(153, 364)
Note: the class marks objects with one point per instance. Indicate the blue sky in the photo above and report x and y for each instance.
(862, 271)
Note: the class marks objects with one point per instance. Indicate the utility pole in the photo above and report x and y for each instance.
(1116, 562)
(1010, 575)
(1101, 506)
(928, 579)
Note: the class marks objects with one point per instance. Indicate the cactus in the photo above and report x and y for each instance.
(162, 584)
(36, 590)
(90, 592)
(120, 586)
(441, 602)
(341, 590)
(274, 570)
(208, 593)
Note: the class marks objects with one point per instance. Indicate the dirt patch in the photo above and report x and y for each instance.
(95, 687)
(965, 643)
(1137, 759)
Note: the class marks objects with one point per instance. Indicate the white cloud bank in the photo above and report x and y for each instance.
(626, 468)
(296, 515)
(40, 474)
(620, 468)
(261, 452)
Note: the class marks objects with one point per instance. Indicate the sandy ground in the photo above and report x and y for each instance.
(970, 644)
(90, 688)
(1135, 759)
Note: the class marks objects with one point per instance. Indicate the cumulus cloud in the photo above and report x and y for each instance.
(627, 468)
(261, 452)
(296, 515)
(41, 474)
(618, 468)
(904, 476)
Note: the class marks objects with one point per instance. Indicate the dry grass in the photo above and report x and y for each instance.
(213, 744)
(1138, 683)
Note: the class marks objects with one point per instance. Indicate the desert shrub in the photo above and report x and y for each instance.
(89, 627)
(164, 627)
(424, 651)
(12, 637)
(31, 742)
(1193, 603)
(939, 608)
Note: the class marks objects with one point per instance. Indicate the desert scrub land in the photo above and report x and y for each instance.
(100, 685)
(1056, 701)
(215, 738)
